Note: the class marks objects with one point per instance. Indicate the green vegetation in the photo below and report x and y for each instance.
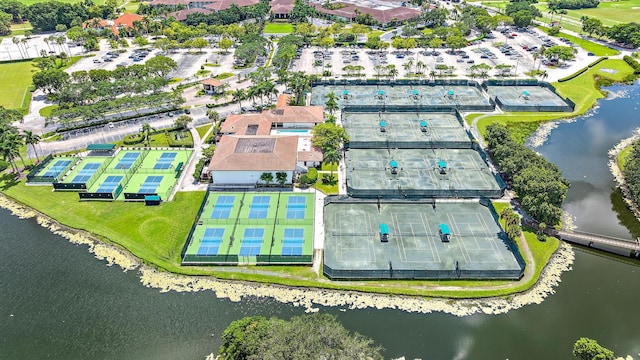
(327, 184)
(537, 181)
(631, 170)
(278, 28)
(203, 72)
(623, 156)
(224, 75)
(589, 349)
(317, 336)
(202, 130)
(589, 46)
(18, 74)
(31, 2)
(46, 111)
(583, 90)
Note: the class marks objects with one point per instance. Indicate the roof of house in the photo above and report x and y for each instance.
(225, 4)
(281, 6)
(182, 14)
(285, 114)
(283, 100)
(212, 82)
(169, 2)
(125, 20)
(238, 124)
(255, 153)
(383, 16)
(314, 155)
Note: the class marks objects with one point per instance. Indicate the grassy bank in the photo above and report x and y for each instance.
(584, 90)
(623, 156)
(156, 235)
(589, 46)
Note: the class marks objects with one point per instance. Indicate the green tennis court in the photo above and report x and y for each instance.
(57, 168)
(86, 169)
(253, 228)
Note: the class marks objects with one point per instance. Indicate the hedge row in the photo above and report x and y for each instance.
(633, 63)
(583, 70)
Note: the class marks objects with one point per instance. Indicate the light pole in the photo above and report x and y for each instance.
(515, 72)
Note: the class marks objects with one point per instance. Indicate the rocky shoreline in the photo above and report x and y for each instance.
(309, 298)
(618, 177)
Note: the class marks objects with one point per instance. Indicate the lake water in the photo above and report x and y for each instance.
(57, 301)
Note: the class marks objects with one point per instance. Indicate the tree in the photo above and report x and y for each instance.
(281, 177)
(591, 25)
(331, 157)
(239, 95)
(266, 177)
(140, 41)
(332, 104)
(456, 42)
(32, 139)
(161, 65)
(317, 336)
(540, 233)
(589, 349)
(327, 136)
(183, 121)
(146, 132)
(563, 53)
(5, 23)
(299, 83)
(522, 18)
(225, 43)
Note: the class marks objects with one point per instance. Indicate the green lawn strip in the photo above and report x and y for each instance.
(203, 130)
(46, 111)
(224, 75)
(328, 167)
(623, 156)
(278, 28)
(469, 118)
(31, 2)
(610, 13)
(132, 7)
(18, 74)
(582, 90)
(156, 235)
(596, 49)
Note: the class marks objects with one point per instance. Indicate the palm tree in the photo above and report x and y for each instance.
(543, 75)
(393, 72)
(433, 74)
(32, 139)
(146, 131)
(17, 42)
(239, 95)
(10, 143)
(552, 10)
(562, 13)
(331, 156)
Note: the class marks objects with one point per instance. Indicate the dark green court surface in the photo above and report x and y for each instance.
(477, 248)
(408, 130)
(447, 173)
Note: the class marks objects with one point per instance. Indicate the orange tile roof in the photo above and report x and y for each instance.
(238, 124)
(212, 82)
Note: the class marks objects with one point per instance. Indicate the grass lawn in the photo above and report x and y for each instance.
(327, 188)
(582, 90)
(596, 49)
(224, 75)
(623, 156)
(157, 140)
(203, 130)
(46, 111)
(18, 74)
(31, 2)
(609, 12)
(278, 28)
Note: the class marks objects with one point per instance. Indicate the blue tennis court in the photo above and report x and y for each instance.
(86, 173)
(109, 184)
(57, 168)
(150, 185)
(211, 241)
(292, 242)
(222, 208)
(259, 207)
(165, 160)
(296, 206)
(127, 160)
(251, 242)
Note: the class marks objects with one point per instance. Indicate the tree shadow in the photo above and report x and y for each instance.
(9, 180)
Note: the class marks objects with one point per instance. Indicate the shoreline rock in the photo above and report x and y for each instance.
(309, 298)
(618, 177)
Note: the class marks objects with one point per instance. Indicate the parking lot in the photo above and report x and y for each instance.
(510, 46)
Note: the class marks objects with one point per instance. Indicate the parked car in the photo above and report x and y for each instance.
(96, 61)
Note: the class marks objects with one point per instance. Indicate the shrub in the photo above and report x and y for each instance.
(304, 180)
(133, 139)
(633, 63)
(199, 166)
(3, 165)
(312, 175)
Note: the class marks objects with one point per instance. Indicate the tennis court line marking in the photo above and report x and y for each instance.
(461, 245)
(340, 249)
(401, 241)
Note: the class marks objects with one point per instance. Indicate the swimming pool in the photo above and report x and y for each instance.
(291, 131)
